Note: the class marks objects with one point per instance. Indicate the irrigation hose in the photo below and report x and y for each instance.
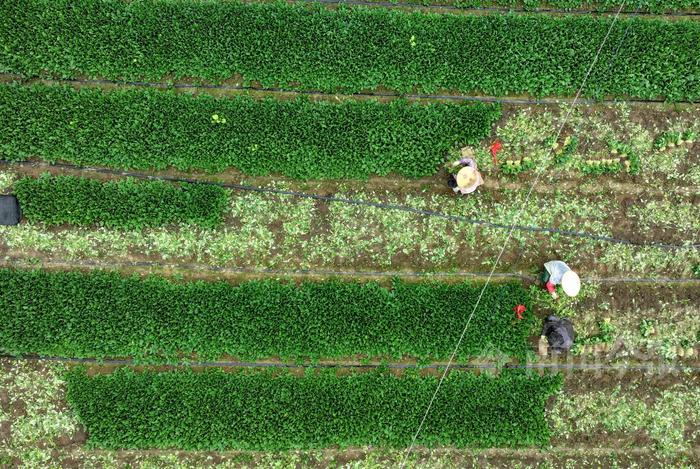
(359, 202)
(370, 366)
(340, 273)
(322, 94)
(495, 9)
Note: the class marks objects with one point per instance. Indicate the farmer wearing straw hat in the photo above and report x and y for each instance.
(558, 273)
(467, 177)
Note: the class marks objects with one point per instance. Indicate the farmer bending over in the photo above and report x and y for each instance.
(558, 273)
(464, 177)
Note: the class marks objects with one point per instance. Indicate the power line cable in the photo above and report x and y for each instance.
(539, 172)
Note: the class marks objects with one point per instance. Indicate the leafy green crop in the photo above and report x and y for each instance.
(301, 139)
(253, 410)
(102, 314)
(56, 200)
(654, 6)
(349, 49)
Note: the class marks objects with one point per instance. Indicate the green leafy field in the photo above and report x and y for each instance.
(654, 6)
(352, 48)
(102, 314)
(343, 415)
(302, 139)
(57, 200)
(217, 410)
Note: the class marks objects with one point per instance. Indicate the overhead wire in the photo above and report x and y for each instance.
(511, 228)
(538, 174)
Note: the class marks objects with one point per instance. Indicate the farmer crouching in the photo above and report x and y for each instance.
(464, 175)
(558, 273)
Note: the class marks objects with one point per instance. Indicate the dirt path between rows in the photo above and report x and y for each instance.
(596, 448)
(623, 185)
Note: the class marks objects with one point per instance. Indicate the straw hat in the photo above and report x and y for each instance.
(466, 177)
(571, 283)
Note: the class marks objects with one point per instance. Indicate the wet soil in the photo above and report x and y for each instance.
(597, 446)
(517, 256)
(620, 184)
(588, 8)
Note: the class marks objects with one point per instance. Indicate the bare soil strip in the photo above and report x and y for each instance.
(36, 422)
(235, 86)
(452, 7)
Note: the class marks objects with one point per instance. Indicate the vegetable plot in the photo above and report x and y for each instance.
(349, 49)
(216, 410)
(654, 6)
(56, 200)
(301, 139)
(103, 314)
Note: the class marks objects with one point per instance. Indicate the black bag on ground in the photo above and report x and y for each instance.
(559, 332)
(9, 210)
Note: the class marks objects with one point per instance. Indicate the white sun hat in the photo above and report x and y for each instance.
(571, 283)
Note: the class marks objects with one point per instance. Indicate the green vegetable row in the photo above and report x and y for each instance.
(217, 410)
(302, 139)
(350, 49)
(57, 200)
(654, 6)
(102, 314)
